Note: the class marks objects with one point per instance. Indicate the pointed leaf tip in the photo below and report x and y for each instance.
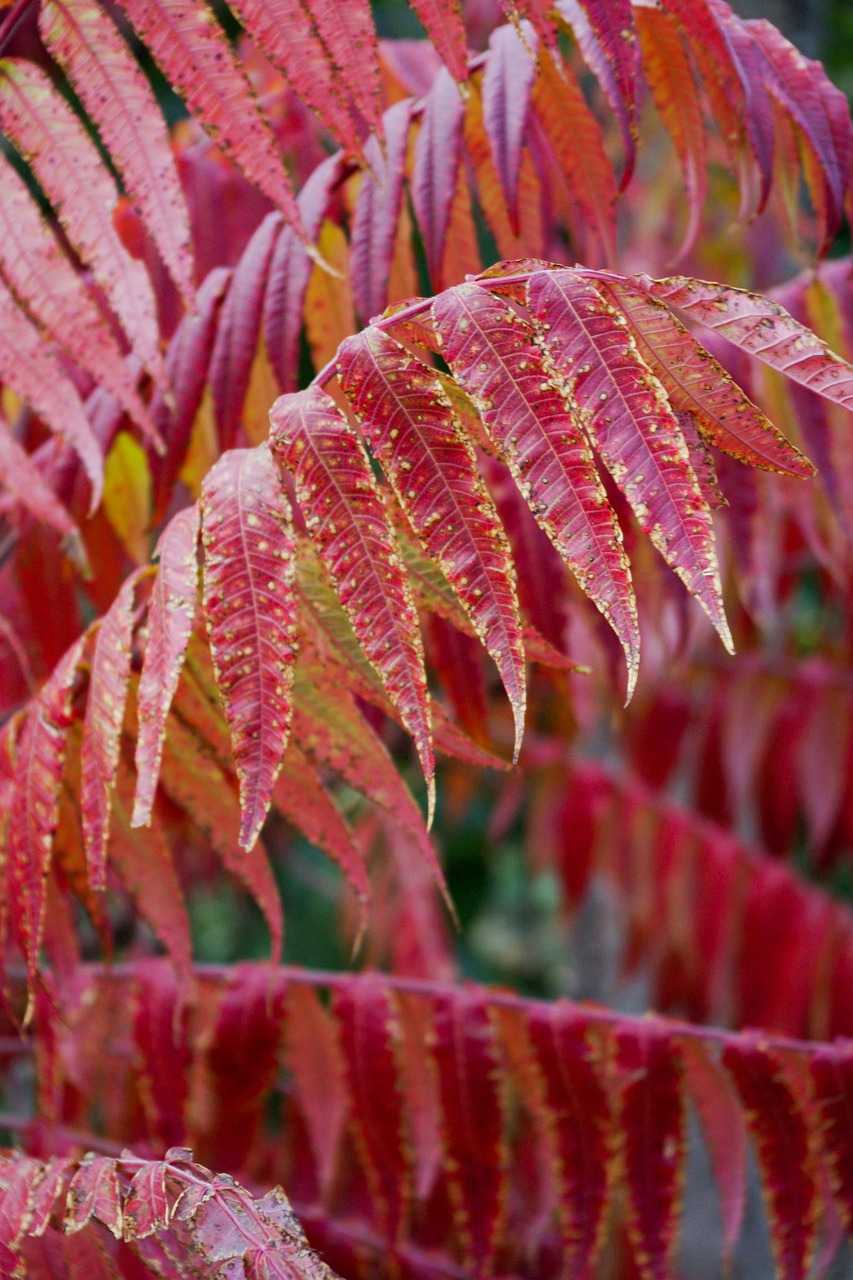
(171, 610)
(626, 413)
(349, 527)
(412, 428)
(249, 573)
(501, 363)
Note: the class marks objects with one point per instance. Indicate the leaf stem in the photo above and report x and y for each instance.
(417, 308)
(505, 999)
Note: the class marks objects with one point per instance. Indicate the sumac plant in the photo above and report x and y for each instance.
(359, 427)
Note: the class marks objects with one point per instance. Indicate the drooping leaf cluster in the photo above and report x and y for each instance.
(361, 571)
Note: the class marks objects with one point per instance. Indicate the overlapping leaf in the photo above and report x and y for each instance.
(66, 163)
(248, 598)
(119, 99)
(42, 277)
(102, 725)
(33, 806)
(191, 48)
(569, 1116)
(348, 525)
(409, 426)
(34, 372)
(171, 612)
(498, 362)
(626, 411)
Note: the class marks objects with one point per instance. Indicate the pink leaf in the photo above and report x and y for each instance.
(627, 414)
(67, 164)
(119, 99)
(697, 384)
(442, 20)
(102, 725)
(377, 212)
(507, 83)
(237, 331)
(350, 529)
(34, 806)
(410, 426)
(249, 573)
(190, 46)
(31, 369)
(171, 610)
(438, 152)
(284, 30)
(761, 327)
(496, 359)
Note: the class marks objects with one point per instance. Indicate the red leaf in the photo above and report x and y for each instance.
(303, 799)
(651, 1119)
(377, 212)
(22, 479)
(697, 384)
(67, 164)
(832, 1081)
(46, 283)
(346, 28)
(626, 412)
(196, 782)
(146, 1208)
(162, 1049)
(119, 99)
(189, 45)
(781, 1137)
(328, 724)
(724, 1131)
(94, 1192)
(438, 152)
(578, 145)
(31, 368)
(761, 327)
(671, 80)
(421, 1085)
(368, 1033)
(171, 610)
(108, 677)
(238, 328)
(289, 272)
(495, 357)
(475, 1154)
(187, 362)
(244, 1060)
(821, 113)
(575, 1099)
(34, 805)
(349, 526)
(443, 23)
(604, 31)
(409, 424)
(507, 83)
(143, 862)
(284, 30)
(317, 1067)
(249, 572)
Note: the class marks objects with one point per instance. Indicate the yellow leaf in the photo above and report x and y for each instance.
(203, 448)
(262, 391)
(329, 309)
(127, 495)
